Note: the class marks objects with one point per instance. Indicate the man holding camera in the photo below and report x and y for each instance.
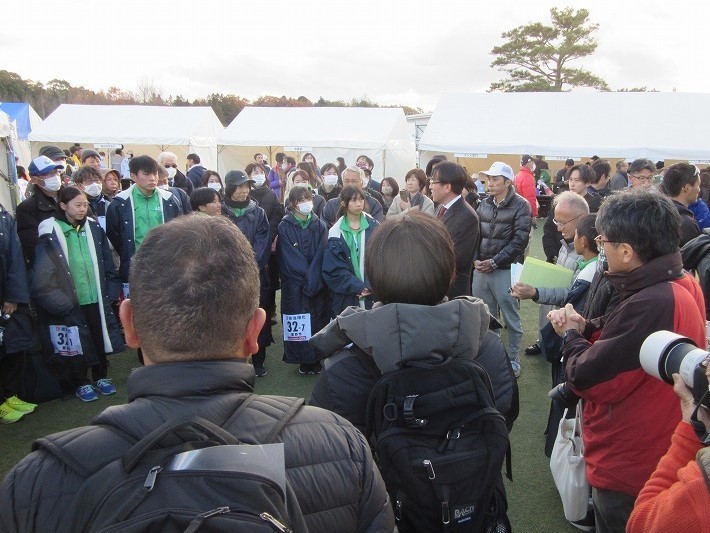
(629, 416)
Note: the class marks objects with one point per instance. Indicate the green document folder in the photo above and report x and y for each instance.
(542, 274)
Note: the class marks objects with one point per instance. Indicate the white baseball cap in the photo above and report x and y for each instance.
(499, 169)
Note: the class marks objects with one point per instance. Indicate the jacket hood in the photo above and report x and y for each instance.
(664, 268)
(395, 333)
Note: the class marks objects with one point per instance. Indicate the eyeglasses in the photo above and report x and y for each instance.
(563, 224)
(642, 178)
(601, 242)
(170, 166)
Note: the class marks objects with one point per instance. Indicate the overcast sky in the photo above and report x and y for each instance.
(391, 51)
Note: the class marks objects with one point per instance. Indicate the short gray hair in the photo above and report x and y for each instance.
(354, 170)
(166, 155)
(576, 202)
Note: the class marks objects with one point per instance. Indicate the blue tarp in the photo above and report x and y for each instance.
(19, 113)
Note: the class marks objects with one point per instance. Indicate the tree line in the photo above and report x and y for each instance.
(45, 98)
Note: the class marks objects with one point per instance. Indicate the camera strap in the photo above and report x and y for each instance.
(700, 430)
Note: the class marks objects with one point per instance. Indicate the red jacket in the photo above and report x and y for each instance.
(677, 497)
(629, 416)
(525, 186)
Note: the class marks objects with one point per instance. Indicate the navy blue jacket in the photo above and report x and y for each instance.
(254, 224)
(302, 287)
(195, 175)
(13, 278)
(119, 223)
(54, 293)
(330, 211)
(338, 271)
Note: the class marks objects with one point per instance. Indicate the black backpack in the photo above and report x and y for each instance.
(139, 489)
(440, 444)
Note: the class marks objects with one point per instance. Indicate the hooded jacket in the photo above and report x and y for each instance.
(622, 402)
(120, 223)
(328, 462)
(395, 334)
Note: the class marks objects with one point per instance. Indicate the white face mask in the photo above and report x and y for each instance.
(534, 167)
(284, 166)
(386, 190)
(164, 187)
(365, 180)
(215, 186)
(259, 179)
(330, 180)
(305, 207)
(171, 172)
(93, 190)
(53, 184)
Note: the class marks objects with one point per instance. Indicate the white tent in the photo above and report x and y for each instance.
(8, 177)
(144, 129)
(572, 124)
(327, 132)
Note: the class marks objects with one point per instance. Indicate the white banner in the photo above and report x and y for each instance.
(298, 149)
(472, 155)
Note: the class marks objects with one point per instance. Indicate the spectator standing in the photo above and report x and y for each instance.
(69, 283)
(277, 175)
(91, 158)
(460, 219)
(414, 198)
(352, 177)
(175, 177)
(681, 184)
(620, 180)
(600, 185)
(302, 241)
(580, 180)
(639, 233)
(46, 181)
(641, 173)
(505, 231)
(330, 176)
(344, 258)
(560, 184)
(365, 163)
(525, 184)
(195, 170)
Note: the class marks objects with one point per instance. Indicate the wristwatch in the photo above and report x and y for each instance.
(567, 333)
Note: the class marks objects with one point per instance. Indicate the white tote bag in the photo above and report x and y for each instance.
(568, 467)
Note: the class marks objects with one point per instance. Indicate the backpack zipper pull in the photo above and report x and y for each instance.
(217, 510)
(150, 478)
(429, 468)
(445, 515)
(266, 517)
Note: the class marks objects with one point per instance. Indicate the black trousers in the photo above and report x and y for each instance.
(77, 369)
(11, 366)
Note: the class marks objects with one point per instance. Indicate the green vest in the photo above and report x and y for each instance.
(147, 213)
(81, 265)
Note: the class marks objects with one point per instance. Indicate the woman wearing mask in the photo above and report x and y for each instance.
(413, 197)
(299, 178)
(206, 201)
(330, 176)
(213, 180)
(88, 179)
(390, 189)
(69, 284)
(253, 223)
(344, 259)
(269, 202)
(304, 297)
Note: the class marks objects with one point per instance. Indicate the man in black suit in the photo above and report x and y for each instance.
(448, 180)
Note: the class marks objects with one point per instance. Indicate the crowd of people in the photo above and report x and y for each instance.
(359, 264)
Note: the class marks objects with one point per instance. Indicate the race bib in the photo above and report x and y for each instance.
(126, 291)
(66, 340)
(297, 328)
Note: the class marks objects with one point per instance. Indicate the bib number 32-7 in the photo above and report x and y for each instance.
(297, 327)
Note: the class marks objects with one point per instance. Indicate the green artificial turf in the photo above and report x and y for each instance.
(533, 501)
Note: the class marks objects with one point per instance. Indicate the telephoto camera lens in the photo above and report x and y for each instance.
(564, 396)
(665, 353)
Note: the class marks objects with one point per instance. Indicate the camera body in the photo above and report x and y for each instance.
(665, 353)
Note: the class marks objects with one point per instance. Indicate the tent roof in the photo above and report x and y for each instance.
(574, 124)
(5, 129)
(331, 127)
(26, 119)
(130, 124)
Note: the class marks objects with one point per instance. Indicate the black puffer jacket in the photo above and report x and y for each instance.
(328, 462)
(505, 229)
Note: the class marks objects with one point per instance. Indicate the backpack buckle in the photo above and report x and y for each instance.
(389, 411)
(408, 412)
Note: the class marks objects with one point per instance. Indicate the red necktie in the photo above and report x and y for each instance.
(442, 211)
